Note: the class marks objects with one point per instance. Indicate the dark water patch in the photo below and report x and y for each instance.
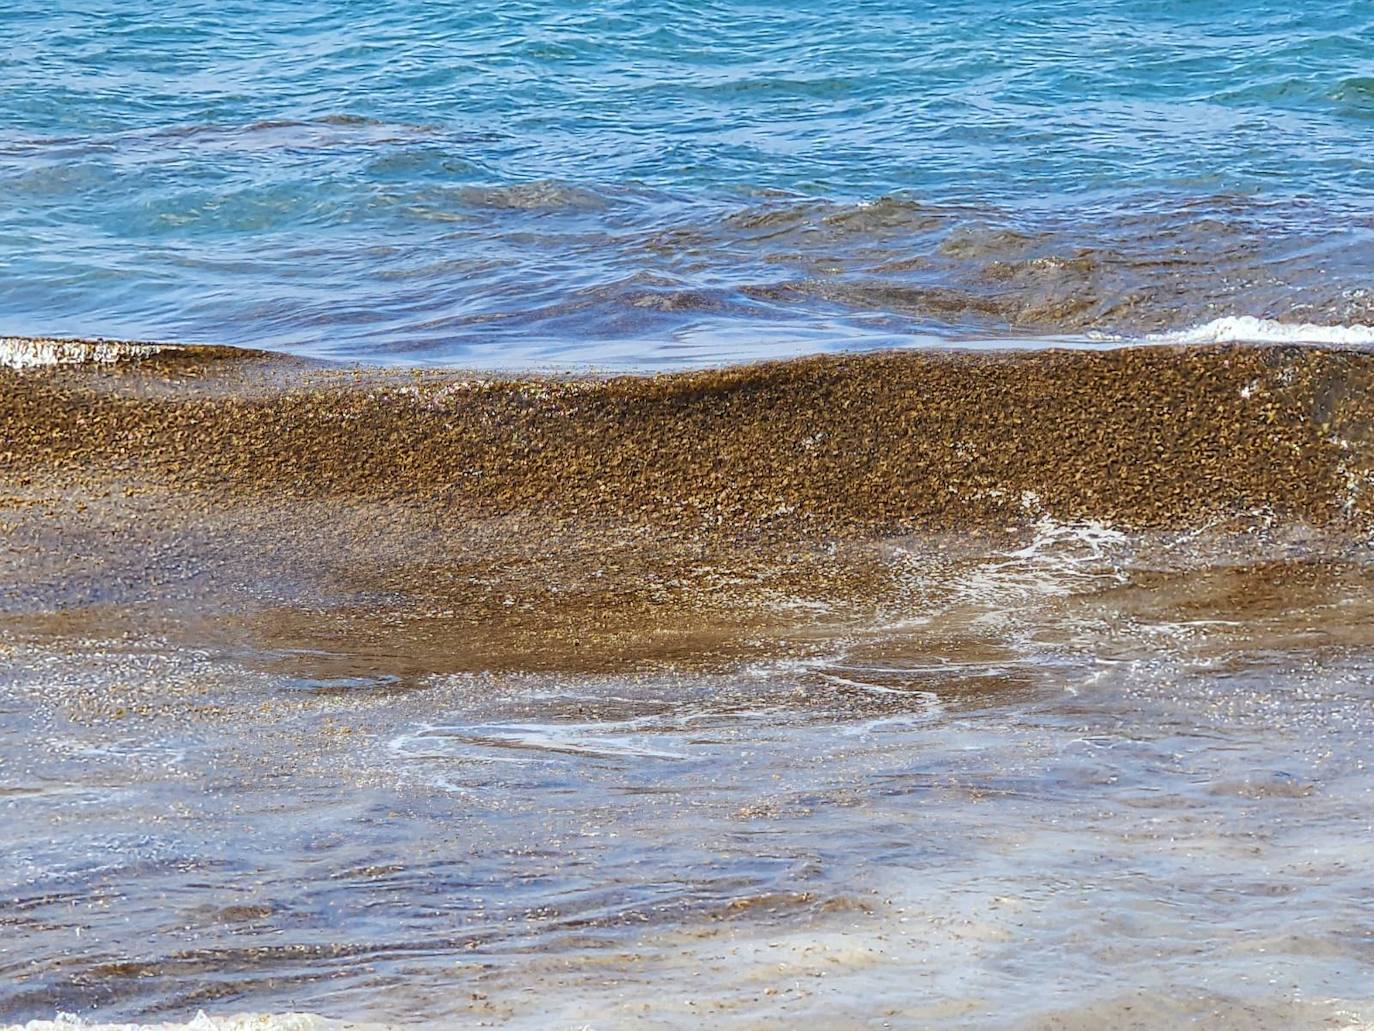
(536, 196)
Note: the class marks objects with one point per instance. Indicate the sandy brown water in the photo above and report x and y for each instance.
(900, 690)
(852, 445)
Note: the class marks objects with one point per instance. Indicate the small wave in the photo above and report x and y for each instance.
(29, 353)
(1356, 91)
(588, 740)
(1247, 329)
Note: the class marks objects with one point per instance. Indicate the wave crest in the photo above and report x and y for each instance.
(31, 352)
(1248, 329)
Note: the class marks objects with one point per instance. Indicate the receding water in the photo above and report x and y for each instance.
(1089, 780)
(656, 184)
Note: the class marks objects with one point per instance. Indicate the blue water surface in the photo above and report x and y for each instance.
(655, 182)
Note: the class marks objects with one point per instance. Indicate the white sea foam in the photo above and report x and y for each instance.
(578, 739)
(29, 353)
(1249, 329)
(1061, 559)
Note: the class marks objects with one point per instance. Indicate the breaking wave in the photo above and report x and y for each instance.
(883, 443)
(1236, 329)
(27, 353)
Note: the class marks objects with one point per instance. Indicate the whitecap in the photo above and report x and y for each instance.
(31, 352)
(1235, 329)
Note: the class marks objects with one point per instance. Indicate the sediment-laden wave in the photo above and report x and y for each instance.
(582, 523)
(884, 443)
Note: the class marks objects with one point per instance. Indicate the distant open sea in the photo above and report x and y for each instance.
(656, 183)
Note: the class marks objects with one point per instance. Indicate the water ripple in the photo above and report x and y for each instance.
(410, 182)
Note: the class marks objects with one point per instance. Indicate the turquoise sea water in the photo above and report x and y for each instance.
(652, 183)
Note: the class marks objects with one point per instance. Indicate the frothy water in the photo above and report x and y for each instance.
(1248, 329)
(1093, 777)
(667, 184)
(29, 353)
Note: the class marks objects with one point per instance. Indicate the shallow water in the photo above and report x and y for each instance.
(663, 184)
(1086, 779)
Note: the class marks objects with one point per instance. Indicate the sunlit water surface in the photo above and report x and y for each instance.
(651, 185)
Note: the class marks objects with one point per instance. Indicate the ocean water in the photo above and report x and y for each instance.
(404, 699)
(651, 184)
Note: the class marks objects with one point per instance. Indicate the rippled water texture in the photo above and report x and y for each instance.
(650, 184)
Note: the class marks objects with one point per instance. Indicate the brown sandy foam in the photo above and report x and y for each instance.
(864, 444)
